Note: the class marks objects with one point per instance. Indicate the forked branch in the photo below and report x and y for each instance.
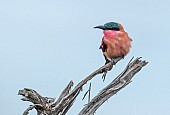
(116, 85)
(60, 106)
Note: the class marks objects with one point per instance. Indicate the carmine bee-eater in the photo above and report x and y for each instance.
(115, 42)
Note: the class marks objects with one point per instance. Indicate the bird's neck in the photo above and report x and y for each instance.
(110, 33)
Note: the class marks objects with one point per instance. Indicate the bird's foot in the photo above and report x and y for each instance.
(107, 61)
(113, 62)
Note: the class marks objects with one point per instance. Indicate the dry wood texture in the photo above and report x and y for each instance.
(60, 106)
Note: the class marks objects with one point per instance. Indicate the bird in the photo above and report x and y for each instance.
(115, 42)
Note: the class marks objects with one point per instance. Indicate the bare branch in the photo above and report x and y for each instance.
(87, 92)
(28, 109)
(60, 106)
(74, 93)
(63, 94)
(116, 85)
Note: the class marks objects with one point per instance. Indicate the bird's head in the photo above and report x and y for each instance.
(110, 26)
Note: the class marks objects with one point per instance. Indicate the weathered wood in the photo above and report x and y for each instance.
(60, 106)
(116, 85)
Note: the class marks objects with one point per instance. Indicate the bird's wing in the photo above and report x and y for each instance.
(103, 46)
(124, 42)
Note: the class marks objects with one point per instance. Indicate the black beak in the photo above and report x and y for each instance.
(100, 27)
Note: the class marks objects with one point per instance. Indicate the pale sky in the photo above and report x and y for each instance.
(46, 43)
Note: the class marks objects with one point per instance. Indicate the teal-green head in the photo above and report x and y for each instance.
(109, 26)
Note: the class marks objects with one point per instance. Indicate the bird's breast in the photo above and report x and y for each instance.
(118, 44)
(110, 33)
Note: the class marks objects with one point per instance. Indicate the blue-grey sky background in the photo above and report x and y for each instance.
(46, 43)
